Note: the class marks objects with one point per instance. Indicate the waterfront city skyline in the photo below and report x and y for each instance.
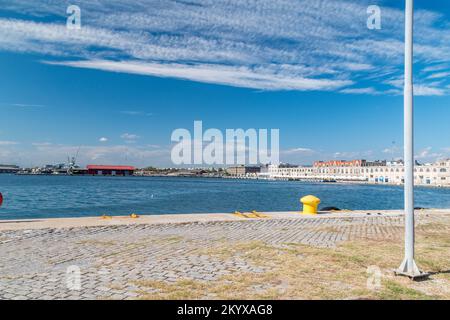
(120, 86)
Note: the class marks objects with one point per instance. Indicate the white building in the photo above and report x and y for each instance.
(380, 172)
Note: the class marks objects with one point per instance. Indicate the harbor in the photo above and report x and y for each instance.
(56, 196)
(433, 174)
(225, 150)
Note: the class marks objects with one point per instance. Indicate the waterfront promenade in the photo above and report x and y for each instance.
(281, 255)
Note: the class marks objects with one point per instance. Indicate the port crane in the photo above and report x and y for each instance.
(72, 162)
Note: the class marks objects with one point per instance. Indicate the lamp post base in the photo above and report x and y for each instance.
(413, 273)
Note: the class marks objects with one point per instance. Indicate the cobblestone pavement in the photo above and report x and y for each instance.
(42, 264)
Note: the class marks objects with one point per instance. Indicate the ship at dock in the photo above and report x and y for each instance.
(72, 169)
(62, 169)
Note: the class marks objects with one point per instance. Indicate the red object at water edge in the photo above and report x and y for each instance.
(1, 199)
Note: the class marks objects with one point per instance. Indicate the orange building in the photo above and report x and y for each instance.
(340, 163)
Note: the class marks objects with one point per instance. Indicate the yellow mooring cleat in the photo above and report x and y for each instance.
(310, 204)
(239, 214)
(260, 215)
(253, 215)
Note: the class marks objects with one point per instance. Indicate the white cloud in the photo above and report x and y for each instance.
(426, 154)
(437, 67)
(24, 105)
(41, 144)
(8, 143)
(265, 44)
(47, 153)
(129, 137)
(299, 155)
(298, 151)
(371, 91)
(420, 90)
(136, 113)
(20, 105)
(391, 150)
(262, 78)
(357, 66)
(439, 75)
(103, 139)
(350, 155)
(443, 155)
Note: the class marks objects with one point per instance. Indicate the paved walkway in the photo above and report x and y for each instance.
(112, 259)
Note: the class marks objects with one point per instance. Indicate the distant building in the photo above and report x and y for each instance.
(9, 168)
(378, 172)
(351, 163)
(242, 170)
(106, 170)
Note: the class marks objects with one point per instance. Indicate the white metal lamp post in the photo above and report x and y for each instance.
(408, 266)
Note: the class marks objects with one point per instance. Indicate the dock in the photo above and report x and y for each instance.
(216, 256)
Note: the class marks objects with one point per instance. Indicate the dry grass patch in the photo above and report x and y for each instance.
(96, 242)
(296, 271)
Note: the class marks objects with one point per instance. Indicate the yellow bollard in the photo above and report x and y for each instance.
(310, 204)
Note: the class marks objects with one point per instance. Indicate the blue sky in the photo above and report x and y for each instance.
(137, 70)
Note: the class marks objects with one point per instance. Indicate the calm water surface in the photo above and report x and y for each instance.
(64, 196)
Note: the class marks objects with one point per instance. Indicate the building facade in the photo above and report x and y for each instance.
(242, 170)
(8, 168)
(378, 172)
(102, 170)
